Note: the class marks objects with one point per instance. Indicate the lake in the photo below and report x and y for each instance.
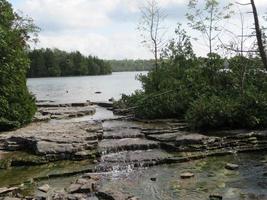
(82, 88)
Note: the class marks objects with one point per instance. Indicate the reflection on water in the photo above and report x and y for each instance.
(80, 89)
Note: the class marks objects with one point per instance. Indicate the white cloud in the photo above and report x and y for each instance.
(69, 14)
(106, 28)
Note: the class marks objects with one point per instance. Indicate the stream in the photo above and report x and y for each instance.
(132, 164)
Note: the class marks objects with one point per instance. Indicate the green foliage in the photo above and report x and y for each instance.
(131, 65)
(54, 63)
(209, 93)
(17, 105)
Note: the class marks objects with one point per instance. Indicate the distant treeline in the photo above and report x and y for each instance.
(54, 63)
(131, 65)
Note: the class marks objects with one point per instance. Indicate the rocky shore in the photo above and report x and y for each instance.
(111, 145)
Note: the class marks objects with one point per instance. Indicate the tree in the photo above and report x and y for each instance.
(259, 34)
(207, 20)
(17, 105)
(152, 29)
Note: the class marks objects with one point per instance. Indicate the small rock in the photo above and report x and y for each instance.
(45, 188)
(187, 175)
(98, 92)
(215, 197)
(153, 179)
(74, 188)
(231, 166)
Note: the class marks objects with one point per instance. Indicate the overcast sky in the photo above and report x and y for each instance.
(105, 28)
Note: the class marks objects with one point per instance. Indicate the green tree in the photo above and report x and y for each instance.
(17, 105)
(207, 20)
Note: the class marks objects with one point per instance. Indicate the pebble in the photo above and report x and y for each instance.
(187, 175)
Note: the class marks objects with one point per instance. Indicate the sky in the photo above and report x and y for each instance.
(105, 28)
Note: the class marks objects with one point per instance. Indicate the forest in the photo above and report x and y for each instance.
(131, 65)
(56, 63)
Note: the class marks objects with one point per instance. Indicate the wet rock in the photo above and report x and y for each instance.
(44, 188)
(215, 197)
(231, 166)
(187, 175)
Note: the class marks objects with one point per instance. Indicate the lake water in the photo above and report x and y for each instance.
(80, 89)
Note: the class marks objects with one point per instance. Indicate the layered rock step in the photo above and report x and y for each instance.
(55, 141)
(141, 158)
(188, 141)
(47, 111)
(122, 133)
(126, 144)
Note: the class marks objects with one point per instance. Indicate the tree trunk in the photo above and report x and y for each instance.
(259, 35)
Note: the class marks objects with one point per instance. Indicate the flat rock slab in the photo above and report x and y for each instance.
(123, 133)
(137, 156)
(62, 139)
(191, 138)
(166, 137)
(66, 112)
(121, 124)
(108, 146)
